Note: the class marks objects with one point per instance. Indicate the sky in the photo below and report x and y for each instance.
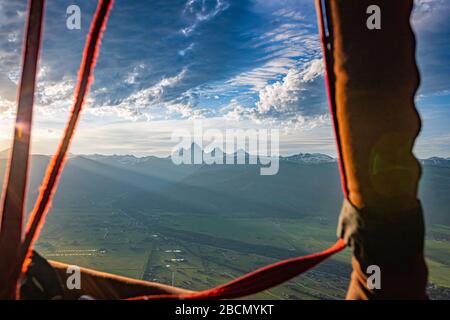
(230, 64)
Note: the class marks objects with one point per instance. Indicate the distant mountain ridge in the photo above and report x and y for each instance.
(127, 159)
(304, 158)
(305, 185)
(436, 161)
(309, 158)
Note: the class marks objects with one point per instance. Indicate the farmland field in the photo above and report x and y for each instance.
(199, 252)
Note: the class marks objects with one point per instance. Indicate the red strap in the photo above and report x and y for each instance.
(259, 280)
(56, 165)
(14, 197)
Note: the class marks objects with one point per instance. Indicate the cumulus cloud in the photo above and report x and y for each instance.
(235, 111)
(314, 69)
(295, 101)
(285, 95)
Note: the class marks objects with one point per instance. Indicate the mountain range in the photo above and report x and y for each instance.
(307, 184)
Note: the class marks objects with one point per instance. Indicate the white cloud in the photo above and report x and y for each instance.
(52, 92)
(201, 12)
(284, 95)
(14, 74)
(315, 69)
(291, 14)
(284, 46)
(54, 98)
(154, 93)
(186, 50)
(132, 76)
(149, 104)
(13, 36)
(237, 112)
(147, 97)
(257, 78)
(186, 111)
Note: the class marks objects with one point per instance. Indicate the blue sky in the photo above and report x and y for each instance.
(163, 63)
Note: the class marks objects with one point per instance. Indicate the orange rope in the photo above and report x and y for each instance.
(16, 181)
(56, 165)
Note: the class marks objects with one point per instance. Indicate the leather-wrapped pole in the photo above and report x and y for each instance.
(374, 80)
